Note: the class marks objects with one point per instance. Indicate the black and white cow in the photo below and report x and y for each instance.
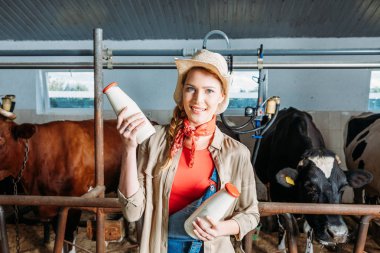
(362, 151)
(294, 162)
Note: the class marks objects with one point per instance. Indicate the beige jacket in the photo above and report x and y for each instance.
(232, 160)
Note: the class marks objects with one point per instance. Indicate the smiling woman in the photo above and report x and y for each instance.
(202, 95)
(171, 174)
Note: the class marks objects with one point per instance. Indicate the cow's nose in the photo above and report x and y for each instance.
(338, 233)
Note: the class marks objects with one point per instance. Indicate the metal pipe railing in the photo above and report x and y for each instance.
(98, 191)
(3, 233)
(290, 232)
(190, 51)
(265, 208)
(362, 233)
(98, 107)
(171, 65)
(62, 218)
(61, 227)
(272, 208)
(99, 134)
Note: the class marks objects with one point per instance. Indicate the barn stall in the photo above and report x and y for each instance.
(253, 52)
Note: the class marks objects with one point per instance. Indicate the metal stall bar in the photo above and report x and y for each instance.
(4, 248)
(170, 65)
(61, 227)
(190, 51)
(300, 52)
(99, 134)
(265, 208)
(362, 233)
(272, 208)
(98, 191)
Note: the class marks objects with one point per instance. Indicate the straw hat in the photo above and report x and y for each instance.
(9, 115)
(208, 60)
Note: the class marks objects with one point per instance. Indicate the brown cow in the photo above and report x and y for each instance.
(60, 159)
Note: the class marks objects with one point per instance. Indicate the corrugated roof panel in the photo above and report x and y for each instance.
(371, 17)
(187, 19)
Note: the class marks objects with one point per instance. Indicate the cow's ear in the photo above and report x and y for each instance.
(358, 178)
(287, 177)
(24, 131)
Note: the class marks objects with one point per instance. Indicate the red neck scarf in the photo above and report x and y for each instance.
(205, 129)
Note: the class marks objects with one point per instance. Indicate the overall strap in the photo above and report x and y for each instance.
(214, 176)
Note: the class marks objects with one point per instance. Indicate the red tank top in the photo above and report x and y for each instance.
(190, 183)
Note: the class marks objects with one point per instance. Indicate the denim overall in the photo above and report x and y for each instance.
(179, 240)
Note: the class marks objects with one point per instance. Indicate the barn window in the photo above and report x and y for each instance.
(374, 92)
(68, 91)
(243, 90)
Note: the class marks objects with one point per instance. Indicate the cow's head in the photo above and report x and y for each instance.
(12, 146)
(319, 179)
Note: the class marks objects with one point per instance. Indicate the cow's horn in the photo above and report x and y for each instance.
(9, 115)
(300, 163)
(338, 159)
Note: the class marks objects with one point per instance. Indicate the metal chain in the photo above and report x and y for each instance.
(15, 192)
(309, 242)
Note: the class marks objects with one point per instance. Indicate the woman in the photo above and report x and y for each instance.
(182, 165)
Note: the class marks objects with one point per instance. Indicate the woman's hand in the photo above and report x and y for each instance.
(129, 126)
(208, 229)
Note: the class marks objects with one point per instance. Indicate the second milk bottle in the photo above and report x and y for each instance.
(215, 207)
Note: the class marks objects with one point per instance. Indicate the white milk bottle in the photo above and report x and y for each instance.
(119, 100)
(215, 207)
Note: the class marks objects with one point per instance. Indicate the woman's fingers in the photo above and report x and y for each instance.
(211, 221)
(203, 230)
(121, 117)
(199, 235)
(129, 123)
(135, 126)
(131, 127)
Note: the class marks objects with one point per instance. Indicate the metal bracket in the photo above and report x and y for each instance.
(107, 56)
(260, 57)
(189, 51)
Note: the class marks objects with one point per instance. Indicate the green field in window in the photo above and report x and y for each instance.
(71, 102)
(374, 104)
(238, 103)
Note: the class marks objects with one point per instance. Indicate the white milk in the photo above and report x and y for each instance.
(215, 207)
(119, 100)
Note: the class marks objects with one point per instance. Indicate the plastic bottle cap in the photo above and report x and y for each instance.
(109, 86)
(232, 190)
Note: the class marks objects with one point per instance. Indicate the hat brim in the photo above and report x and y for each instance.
(184, 65)
(9, 115)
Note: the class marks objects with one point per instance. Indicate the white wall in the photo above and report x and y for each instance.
(317, 90)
